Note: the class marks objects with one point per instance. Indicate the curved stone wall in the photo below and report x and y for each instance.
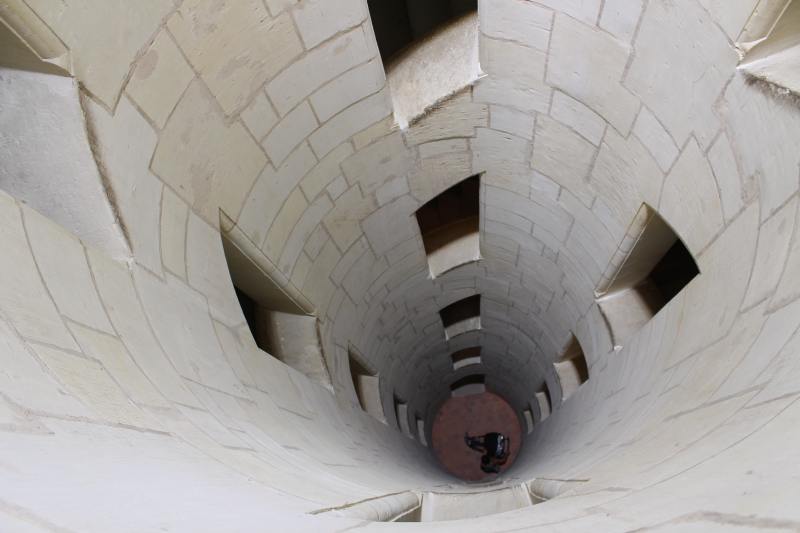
(133, 396)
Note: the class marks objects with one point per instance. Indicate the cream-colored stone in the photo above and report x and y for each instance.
(620, 17)
(104, 37)
(211, 165)
(259, 117)
(159, 79)
(677, 83)
(655, 138)
(62, 261)
(270, 191)
(585, 10)
(182, 324)
(588, 64)
(458, 119)
(290, 132)
(690, 202)
(207, 270)
(26, 383)
(723, 163)
(349, 209)
(89, 382)
(577, 116)
(124, 144)
(378, 163)
(755, 118)
(437, 174)
(348, 89)
(318, 20)
(115, 286)
(349, 122)
(517, 20)
(319, 66)
(511, 121)
(326, 171)
(174, 217)
(235, 46)
(300, 234)
(563, 156)
(625, 175)
(284, 222)
(110, 351)
(773, 249)
(23, 296)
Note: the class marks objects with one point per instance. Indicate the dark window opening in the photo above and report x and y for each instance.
(468, 385)
(544, 402)
(278, 324)
(653, 272)
(450, 226)
(401, 413)
(571, 369)
(366, 384)
(399, 23)
(461, 316)
(466, 357)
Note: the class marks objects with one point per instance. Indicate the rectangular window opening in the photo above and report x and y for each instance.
(543, 402)
(450, 226)
(772, 45)
(571, 369)
(461, 316)
(469, 385)
(400, 23)
(421, 431)
(278, 324)
(644, 276)
(466, 357)
(367, 386)
(401, 412)
(528, 416)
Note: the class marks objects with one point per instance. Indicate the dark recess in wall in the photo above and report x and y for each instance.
(398, 23)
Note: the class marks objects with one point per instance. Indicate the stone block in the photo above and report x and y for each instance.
(726, 171)
(516, 20)
(690, 202)
(159, 79)
(624, 176)
(124, 144)
(620, 18)
(319, 20)
(234, 45)
(343, 220)
(563, 156)
(104, 37)
(290, 132)
(209, 164)
(774, 239)
(271, 190)
(174, 218)
(584, 10)
(259, 117)
(349, 122)
(322, 64)
(677, 83)
(512, 121)
(348, 89)
(588, 64)
(62, 262)
(327, 170)
(577, 116)
(655, 138)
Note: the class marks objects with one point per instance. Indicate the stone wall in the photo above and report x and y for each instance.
(133, 390)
